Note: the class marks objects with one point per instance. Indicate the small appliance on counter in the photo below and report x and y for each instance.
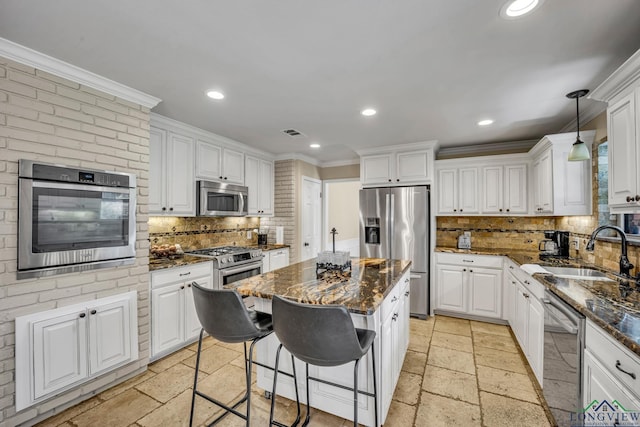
(554, 245)
(464, 240)
(262, 239)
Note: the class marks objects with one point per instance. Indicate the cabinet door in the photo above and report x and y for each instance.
(376, 169)
(600, 385)
(405, 320)
(266, 188)
(468, 201)
(157, 170)
(252, 181)
(515, 189)
(621, 126)
(450, 292)
(509, 300)
(386, 363)
(447, 191)
(192, 324)
(543, 175)
(167, 318)
(233, 166)
(59, 352)
(109, 335)
(485, 291)
(535, 337)
(266, 264)
(278, 259)
(180, 179)
(414, 166)
(492, 189)
(521, 324)
(208, 160)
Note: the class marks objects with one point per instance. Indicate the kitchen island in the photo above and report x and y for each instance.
(376, 293)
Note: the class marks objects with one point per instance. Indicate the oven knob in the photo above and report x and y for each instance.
(223, 260)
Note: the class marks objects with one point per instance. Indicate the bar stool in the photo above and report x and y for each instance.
(223, 315)
(321, 335)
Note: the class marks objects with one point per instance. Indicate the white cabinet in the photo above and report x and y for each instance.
(407, 164)
(504, 189)
(469, 284)
(174, 321)
(259, 179)
(621, 91)
(171, 180)
(61, 348)
(561, 187)
(458, 191)
(275, 259)
(600, 385)
(218, 163)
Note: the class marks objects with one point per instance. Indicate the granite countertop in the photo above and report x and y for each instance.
(360, 291)
(177, 261)
(614, 305)
(269, 247)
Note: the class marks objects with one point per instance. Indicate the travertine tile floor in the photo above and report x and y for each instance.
(457, 373)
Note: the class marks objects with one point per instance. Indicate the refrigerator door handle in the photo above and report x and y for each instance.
(392, 220)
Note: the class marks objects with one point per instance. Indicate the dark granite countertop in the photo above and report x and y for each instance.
(614, 305)
(270, 247)
(178, 261)
(361, 291)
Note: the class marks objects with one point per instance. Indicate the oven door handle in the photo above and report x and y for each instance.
(243, 268)
(572, 329)
(94, 188)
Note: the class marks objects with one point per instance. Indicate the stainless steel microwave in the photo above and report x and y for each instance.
(221, 199)
(74, 219)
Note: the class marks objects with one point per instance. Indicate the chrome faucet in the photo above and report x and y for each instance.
(625, 265)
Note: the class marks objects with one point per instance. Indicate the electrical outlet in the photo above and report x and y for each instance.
(576, 243)
(249, 234)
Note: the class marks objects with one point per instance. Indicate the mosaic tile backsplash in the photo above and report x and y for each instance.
(203, 232)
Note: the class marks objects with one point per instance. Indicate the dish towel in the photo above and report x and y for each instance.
(533, 268)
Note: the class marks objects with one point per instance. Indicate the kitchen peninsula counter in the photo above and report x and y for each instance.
(376, 292)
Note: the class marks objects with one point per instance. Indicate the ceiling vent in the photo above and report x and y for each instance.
(294, 133)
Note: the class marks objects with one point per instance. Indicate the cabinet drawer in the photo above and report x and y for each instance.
(488, 261)
(390, 303)
(532, 285)
(180, 274)
(614, 357)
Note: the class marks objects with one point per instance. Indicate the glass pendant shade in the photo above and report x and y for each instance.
(579, 151)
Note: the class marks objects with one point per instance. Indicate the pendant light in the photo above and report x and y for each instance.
(579, 151)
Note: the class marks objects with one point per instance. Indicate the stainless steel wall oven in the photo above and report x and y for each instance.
(73, 219)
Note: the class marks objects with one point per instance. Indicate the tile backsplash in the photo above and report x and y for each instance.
(203, 232)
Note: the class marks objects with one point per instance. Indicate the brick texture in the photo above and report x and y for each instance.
(47, 118)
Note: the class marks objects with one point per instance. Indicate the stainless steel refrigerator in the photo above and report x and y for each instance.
(394, 224)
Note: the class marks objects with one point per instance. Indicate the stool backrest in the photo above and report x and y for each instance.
(223, 315)
(322, 335)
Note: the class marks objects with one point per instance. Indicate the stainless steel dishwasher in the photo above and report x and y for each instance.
(564, 329)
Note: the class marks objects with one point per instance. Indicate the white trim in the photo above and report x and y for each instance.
(477, 150)
(32, 58)
(339, 163)
(298, 156)
(619, 80)
(412, 146)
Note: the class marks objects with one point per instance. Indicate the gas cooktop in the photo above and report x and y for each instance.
(222, 250)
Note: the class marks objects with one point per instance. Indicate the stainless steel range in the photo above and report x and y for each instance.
(232, 263)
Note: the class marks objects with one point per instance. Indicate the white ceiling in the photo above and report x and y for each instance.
(432, 68)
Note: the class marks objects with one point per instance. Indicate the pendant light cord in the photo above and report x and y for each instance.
(578, 116)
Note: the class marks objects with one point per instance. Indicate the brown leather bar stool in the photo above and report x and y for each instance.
(321, 335)
(223, 315)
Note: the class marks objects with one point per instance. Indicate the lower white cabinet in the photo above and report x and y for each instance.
(174, 321)
(61, 348)
(275, 259)
(469, 284)
(600, 385)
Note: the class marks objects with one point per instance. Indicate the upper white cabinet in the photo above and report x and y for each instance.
(504, 189)
(561, 187)
(408, 164)
(488, 185)
(217, 163)
(171, 180)
(622, 92)
(458, 191)
(259, 180)
(62, 348)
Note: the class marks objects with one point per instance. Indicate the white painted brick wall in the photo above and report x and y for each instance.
(45, 117)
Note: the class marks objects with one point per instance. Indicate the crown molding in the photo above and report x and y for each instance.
(411, 146)
(482, 149)
(339, 163)
(298, 156)
(619, 80)
(35, 59)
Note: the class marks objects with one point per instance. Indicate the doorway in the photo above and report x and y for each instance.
(342, 212)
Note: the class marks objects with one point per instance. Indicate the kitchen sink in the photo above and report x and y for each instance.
(581, 273)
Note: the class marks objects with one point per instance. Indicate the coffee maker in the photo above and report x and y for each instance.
(554, 245)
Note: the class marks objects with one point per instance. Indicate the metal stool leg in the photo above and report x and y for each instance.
(195, 379)
(307, 417)
(355, 393)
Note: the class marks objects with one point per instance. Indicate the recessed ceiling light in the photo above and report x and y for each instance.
(368, 112)
(517, 8)
(486, 122)
(314, 145)
(214, 94)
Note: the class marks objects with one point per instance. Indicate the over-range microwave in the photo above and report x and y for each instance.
(73, 219)
(221, 199)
